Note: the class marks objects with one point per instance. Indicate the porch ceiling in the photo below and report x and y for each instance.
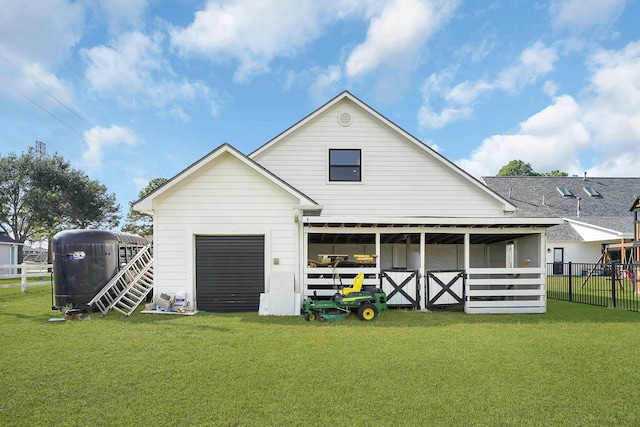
(334, 230)
(409, 237)
(430, 222)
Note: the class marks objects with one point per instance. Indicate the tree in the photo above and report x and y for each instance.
(517, 168)
(139, 222)
(520, 168)
(43, 194)
(556, 172)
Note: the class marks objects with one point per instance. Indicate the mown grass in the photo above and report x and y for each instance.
(577, 365)
(596, 290)
(16, 282)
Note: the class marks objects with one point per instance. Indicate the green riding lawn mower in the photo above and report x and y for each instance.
(368, 303)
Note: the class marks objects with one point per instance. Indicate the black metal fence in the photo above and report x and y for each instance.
(612, 285)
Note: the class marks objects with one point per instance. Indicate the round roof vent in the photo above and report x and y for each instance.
(345, 119)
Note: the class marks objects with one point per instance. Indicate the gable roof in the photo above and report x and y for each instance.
(4, 238)
(507, 205)
(145, 204)
(541, 196)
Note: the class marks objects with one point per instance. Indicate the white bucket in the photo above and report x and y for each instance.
(179, 301)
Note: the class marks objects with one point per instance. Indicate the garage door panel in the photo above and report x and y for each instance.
(229, 273)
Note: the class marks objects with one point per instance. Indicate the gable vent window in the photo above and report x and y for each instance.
(565, 192)
(345, 165)
(345, 119)
(592, 192)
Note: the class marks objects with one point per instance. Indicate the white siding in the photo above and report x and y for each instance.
(398, 177)
(576, 252)
(6, 258)
(227, 198)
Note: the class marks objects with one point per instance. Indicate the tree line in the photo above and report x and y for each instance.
(42, 194)
(521, 168)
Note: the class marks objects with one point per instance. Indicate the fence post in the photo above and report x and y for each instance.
(570, 282)
(614, 269)
(23, 277)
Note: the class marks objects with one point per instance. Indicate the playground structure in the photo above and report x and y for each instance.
(627, 268)
(635, 246)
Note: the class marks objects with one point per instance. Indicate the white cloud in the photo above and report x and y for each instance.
(34, 37)
(121, 14)
(254, 33)
(550, 88)
(584, 15)
(398, 33)
(551, 139)
(467, 92)
(134, 71)
(251, 32)
(603, 129)
(99, 138)
(434, 120)
(38, 85)
(40, 31)
(533, 63)
(141, 183)
(325, 82)
(613, 111)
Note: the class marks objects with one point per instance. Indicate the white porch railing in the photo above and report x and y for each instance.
(506, 290)
(325, 281)
(10, 271)
(488, 290)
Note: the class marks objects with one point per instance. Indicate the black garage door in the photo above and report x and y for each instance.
(229, 273)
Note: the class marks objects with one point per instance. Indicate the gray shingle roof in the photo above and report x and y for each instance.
(6, 239)
(539, 196)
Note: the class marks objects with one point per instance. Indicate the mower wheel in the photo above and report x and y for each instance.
(309, 317)
(367, 312)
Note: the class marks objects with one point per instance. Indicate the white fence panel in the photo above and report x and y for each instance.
(509, 290)
(26, 270)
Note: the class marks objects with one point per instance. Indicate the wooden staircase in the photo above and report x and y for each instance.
(129, 287)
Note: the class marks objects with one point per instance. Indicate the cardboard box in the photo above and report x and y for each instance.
(150, 306)
(163, 304)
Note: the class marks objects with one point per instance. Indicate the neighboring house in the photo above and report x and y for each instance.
(34, 254)
(8, 254)
(595, 210)
(261, 232)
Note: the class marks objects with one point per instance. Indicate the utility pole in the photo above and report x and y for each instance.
(41, 149)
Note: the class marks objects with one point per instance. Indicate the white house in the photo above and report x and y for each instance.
(595, 211)
(8, 254)
(343, 181)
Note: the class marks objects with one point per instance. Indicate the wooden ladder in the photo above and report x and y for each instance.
(129, 287)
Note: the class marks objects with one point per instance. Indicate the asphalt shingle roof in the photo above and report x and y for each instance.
(536, 196)
(6, 239)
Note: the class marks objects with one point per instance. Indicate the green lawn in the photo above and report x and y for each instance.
(596, 290)
(577, 365)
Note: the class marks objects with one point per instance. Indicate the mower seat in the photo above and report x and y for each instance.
(355, 287)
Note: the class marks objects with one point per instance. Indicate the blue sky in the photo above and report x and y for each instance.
(131, 90)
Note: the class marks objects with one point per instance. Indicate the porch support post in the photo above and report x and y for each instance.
(543, 264)
(467, 251)
(423, 272)
(300, 252)
(303, 252)
(379, 259)
(467, 263)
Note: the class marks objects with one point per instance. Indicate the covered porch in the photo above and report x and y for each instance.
(487, 265)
